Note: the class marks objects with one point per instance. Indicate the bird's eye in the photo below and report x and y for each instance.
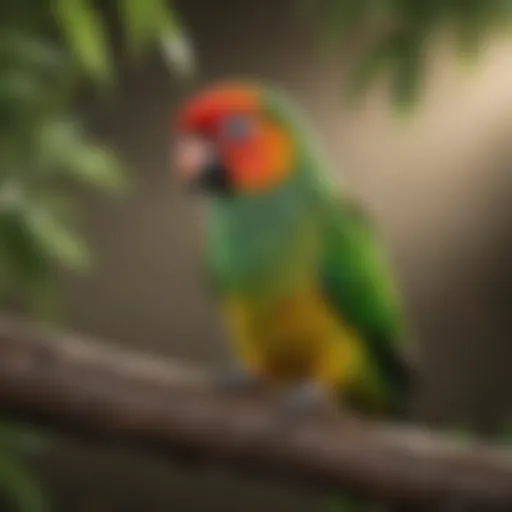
(237, 128)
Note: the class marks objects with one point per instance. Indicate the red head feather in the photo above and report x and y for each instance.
(254, 163)
(204, 112)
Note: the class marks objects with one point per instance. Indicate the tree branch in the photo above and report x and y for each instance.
(82, 387)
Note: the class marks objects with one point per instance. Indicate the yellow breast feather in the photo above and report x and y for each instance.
(293, 337)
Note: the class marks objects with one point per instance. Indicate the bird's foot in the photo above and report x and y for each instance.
(238, 380)
(304, 400)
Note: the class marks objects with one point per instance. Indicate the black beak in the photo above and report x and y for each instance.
(213, 177)
(200, 167)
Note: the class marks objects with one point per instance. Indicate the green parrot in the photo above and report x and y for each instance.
(305, 290)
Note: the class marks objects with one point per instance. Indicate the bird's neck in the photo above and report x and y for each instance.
(254, 238)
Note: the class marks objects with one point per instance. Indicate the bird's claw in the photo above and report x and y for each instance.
(304, 401)
(238, 381)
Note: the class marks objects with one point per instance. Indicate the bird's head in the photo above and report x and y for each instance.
(228, 139)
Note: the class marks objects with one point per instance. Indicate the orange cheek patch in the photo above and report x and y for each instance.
(262, 162)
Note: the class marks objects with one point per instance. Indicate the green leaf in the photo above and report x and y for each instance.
(343, 20)
(408, 76)
(24, 50)
(98, 167)
(20, 94)
(368, 66)
(471, 32)
(21, 256)
(177, 50)
(137, 23)
(63, 148)
(402, 55)
(17, 484)
(54, 239)
(142, 22)
(176, 45)
(155, 21)
(34, 239)
(85, 34)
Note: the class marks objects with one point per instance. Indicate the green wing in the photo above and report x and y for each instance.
(357, 282)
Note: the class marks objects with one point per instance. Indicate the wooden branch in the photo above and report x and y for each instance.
(85, 388)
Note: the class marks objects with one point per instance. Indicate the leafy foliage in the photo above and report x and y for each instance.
(43, 146)
(46, 48)
(401, 29)
(145, 23)
(17, 483)
(36, 149)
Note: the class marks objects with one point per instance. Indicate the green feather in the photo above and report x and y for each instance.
(357, 281)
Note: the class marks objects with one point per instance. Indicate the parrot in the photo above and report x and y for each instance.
(301, 280)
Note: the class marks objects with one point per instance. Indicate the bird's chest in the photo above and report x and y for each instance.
(262, 242)
(247, 253)
(286, 336)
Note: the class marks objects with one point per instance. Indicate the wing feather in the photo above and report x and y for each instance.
(356, 280)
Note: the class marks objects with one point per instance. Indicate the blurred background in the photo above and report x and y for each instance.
(86, 97)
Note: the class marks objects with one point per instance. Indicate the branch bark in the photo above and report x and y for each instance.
(81, 387)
